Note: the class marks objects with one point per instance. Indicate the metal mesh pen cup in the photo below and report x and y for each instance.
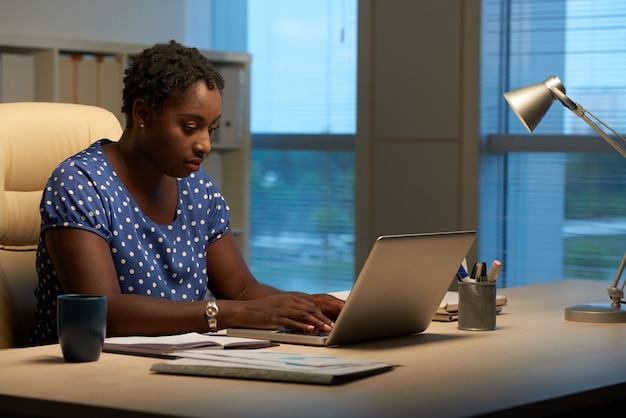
(477, 306)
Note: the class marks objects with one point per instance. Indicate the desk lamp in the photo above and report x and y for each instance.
(530, 104)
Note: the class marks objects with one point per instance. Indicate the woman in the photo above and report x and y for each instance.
(140, 221)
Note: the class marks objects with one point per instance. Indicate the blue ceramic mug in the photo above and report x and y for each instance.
(81, 325)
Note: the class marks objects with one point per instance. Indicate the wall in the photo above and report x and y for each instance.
(125, 21)
(417, 130)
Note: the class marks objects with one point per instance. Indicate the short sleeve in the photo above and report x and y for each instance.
(73, 197)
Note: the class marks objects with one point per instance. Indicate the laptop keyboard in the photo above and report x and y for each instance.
(315, 332)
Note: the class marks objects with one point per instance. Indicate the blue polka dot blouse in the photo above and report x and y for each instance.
(161, 261)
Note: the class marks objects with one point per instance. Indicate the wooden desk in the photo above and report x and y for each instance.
(535, 363)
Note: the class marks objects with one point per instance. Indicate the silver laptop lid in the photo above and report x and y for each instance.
(400, 285)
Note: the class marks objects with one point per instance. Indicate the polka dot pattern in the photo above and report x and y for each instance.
(161, 261)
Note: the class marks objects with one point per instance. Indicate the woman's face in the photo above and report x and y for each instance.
(178, 136)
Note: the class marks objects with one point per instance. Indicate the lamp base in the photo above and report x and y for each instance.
(598, 313)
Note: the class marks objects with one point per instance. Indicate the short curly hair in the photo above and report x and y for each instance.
(163, 72)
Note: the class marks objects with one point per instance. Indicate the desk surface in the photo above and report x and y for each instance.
(535, 363)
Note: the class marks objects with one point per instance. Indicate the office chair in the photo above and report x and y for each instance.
(34, 138)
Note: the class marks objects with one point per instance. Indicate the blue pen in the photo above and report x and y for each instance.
(462, 273)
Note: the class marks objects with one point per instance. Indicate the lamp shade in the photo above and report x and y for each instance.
(531, 103)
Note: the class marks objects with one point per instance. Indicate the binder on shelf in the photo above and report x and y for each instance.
(17, 77)
(231, 130)
(93, 79)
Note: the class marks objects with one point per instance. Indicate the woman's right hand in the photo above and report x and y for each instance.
(278, 310)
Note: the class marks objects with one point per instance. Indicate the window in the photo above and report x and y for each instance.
(303, 121)
(546, 205)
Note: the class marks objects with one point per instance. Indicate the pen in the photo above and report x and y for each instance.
(462, 275)
(483, 272)
(494, 270)
(478, 271)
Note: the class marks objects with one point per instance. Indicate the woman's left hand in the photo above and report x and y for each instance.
(328, 304)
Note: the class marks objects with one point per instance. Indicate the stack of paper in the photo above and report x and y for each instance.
(167, 345)
(270, 365)
(448, 308)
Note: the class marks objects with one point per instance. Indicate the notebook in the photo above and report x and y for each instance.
(397, 292)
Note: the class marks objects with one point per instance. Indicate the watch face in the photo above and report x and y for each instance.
(211, 310)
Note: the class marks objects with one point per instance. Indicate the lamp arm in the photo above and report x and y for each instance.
(616, 294)
(619, 148)
(582, 113)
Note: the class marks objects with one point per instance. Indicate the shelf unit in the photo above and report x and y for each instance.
(74, 71)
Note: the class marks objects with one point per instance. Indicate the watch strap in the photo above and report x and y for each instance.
(210, 312)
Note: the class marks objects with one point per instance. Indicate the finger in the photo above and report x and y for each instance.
(305, 316)
(329, 305)
(299, 312)
(313, 316)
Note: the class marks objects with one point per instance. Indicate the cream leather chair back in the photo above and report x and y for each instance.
(34, 138)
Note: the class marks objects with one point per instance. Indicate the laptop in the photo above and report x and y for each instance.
(397, 292)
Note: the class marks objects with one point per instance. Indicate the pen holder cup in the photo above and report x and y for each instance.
(477, 306)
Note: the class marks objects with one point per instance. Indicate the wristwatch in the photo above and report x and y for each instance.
(210, 312)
